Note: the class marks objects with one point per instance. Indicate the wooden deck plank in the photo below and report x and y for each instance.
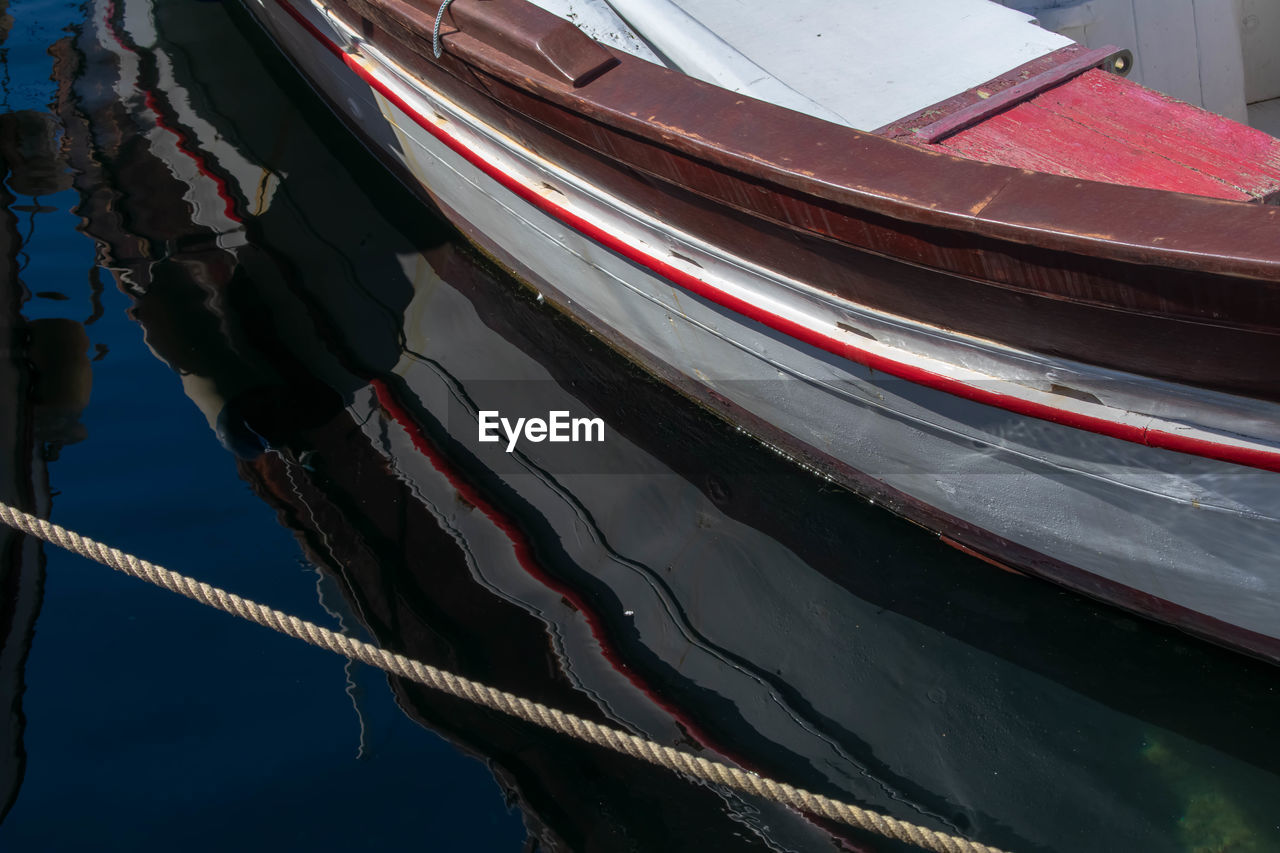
(1241, 155)
(1102, 127)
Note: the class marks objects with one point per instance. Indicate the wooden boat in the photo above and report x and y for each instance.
(1061, 359)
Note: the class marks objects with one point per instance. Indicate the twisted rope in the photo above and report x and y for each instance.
(490, 697)
(435, 31)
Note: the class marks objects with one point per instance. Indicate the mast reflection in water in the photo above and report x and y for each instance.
(677, 579)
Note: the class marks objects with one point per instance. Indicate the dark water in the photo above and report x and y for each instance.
(235, 347)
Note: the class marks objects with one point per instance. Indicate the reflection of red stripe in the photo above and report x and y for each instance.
(153, 104)
(111, 13)
(224, 192)
(1268, 460)
(525, 557)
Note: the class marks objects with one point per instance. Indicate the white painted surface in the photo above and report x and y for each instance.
(1219, 59)
(862, 63)
(865, 63)
(1216, 54)
(686, 45)
(1266, 116)
(598, 20)
(700, 52)
(874, 61)
(1260, 33)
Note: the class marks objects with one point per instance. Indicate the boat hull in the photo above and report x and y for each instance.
(1180, 537)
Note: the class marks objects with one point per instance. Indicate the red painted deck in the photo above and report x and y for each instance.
(1101, 127)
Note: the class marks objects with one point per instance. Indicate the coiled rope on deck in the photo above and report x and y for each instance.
(490, 697)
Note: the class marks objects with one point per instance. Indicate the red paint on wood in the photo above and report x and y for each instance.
(1239, 155)
(1103, 128)
(981, 110)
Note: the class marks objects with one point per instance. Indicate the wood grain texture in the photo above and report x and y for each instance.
(1103, 128)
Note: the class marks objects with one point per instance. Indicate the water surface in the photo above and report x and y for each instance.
(236, 347)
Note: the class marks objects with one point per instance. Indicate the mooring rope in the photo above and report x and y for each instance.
(490, 697)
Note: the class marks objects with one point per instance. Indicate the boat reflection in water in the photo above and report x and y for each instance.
(45, 381)
(676, 579)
